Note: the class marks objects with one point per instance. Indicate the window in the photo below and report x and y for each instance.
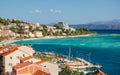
(10, 64)
(10, 57)
(18, 57)
(23, 55)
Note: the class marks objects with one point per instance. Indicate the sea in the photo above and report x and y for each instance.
(102, 48)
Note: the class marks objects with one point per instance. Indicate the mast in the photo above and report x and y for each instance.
(69, 53)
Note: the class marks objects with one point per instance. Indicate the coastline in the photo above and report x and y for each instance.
(7, 42)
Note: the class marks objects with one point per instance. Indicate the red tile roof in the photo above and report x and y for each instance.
(26, 58)
(98, 72)
(14, 48)
(22, 65)
(4, 31)
(39, 72)
(42, 61)
(3, 48)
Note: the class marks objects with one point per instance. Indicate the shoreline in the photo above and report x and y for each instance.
(7, 42)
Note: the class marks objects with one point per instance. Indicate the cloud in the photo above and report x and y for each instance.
(55, 11)
(36, 11)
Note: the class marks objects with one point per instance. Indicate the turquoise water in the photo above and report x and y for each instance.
(103, 48)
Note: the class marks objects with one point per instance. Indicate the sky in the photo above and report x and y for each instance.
(52, 11)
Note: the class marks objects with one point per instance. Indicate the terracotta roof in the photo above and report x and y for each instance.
(98, 72)
(39, 72)
(5, 31)
(26, 58)
(14, 48)
(21, 65)
(42, 61)
(3, 48)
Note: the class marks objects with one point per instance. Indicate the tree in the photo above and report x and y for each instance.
(58, 26)
(4, 21)
(66, 71)
(76, 72)
(82, 73)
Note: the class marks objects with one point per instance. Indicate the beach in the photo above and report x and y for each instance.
(9, 41)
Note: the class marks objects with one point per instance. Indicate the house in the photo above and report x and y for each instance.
(53, 68)
(43, 63)
(17, 35)
(10, 56)
(63, 24)
(31, 34)
(5, 27)
(98, 72)
(28, 68)
(31, 59)
(38, 33)
(25, 26)
(6, 33)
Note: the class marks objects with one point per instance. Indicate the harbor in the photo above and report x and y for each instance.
(76, 64)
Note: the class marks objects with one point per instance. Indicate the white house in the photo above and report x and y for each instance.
(38, 34)
(31, 34)
(10, 56)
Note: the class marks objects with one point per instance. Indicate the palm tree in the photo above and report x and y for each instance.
(66, 71)
(76, 72)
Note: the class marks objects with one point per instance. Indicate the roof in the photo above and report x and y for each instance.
(42, 61)
(21, 65)
(39, 72)
(98, 72)
(4, 31)
(26, 49)
(26, 58)
(1, 49)
(14, 48)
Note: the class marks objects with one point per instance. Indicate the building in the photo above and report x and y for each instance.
(53, 68)
(10, 56)
(63, 24)
(25, 26)
(19, 60)
(5, 33)
(31, 34)
(28, 68)
(42, 63)
(98, 72)
(38, 34)
(31, 59)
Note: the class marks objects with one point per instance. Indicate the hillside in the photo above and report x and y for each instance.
(113, 24)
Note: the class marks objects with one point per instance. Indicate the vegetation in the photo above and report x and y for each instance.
(45, 30)
(45, 58)
(4, 21)
(17, 21)
(58, 26)
(7, 21)
(68, 71)
(1, 38)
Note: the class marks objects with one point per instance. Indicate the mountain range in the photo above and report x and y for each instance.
(113, 24)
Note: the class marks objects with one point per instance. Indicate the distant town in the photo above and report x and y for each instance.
(21, 30)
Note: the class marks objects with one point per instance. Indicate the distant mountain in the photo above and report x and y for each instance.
(113, 24)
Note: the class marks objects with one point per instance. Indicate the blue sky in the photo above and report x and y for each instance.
(69, 11)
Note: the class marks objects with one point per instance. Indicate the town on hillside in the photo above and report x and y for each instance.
(16, 29)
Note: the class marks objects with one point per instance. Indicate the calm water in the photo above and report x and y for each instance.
(103, 48)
